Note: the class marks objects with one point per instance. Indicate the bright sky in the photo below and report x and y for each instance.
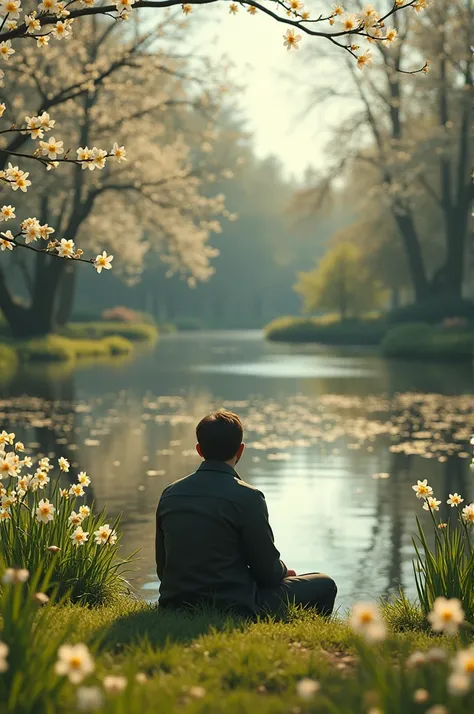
(270, 100)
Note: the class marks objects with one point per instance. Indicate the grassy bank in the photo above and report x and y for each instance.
(57, 348)
(69, 641)
(406, 341)
(134, 332)
(204, 662)
(422, 341)
(327, 332)
(92, 340)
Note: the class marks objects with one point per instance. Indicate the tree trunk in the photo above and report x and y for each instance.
(406, 226)
(66, 294)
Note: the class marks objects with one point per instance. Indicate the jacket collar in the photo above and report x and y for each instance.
(219, 466)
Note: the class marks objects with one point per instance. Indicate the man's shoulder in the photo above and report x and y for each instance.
(234, 487)
(247, 489)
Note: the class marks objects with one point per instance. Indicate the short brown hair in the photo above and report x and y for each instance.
(219, 435)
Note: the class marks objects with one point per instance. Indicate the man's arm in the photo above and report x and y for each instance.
(260, 552)
(160, 554)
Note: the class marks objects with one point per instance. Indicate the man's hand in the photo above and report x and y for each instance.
(290, 573)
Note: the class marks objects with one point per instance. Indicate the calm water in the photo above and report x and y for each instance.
(335, 440)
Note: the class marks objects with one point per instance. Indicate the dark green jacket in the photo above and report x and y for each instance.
(214, 541)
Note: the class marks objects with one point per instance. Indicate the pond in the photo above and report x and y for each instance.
(335, 439)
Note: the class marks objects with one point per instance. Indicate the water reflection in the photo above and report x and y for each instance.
(335, 441)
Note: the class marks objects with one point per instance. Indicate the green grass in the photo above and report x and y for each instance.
(57, 348)
(8, 358)
(421, 341)
(241, 666)
(134, 332)
(326, 330)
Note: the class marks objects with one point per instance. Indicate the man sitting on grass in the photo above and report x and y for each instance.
(214, 543)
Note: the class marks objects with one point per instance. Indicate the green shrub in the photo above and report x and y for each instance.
(422, 341)
(52, 348)
(43, 511)
(117, 345)
(433, 311)
(56, 348)
(329, 332)
(135, 332)
(8, 358)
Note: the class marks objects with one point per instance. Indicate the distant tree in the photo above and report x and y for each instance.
(341, 281)
(416, 137)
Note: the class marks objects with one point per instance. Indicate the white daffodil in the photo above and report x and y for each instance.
(8, 499)
(422, 489)
(89, 698)
(463, 663)
(13, 576)
(3, 657)
(76, 490)
(8, 465)
(7, 438)
(74, 662)
(114, 684)
(44, 464)
(454, 500)
(84, 511)
(306, 688)
(64, 464)
(79, 537)
(367, 621)
(458, 684)
(40, 479)
(468, 514)
(75, 519)
(415, 660)
(45, 511)
(83, 478)
(104, 535)
(431, 504)
(446, 615)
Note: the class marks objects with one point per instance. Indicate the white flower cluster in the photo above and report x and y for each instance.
(51, 149)
(11, 466)
(424, 491)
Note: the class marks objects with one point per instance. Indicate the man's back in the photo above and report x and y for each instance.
(214, 541)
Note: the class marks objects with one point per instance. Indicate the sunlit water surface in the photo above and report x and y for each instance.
(334, 439)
